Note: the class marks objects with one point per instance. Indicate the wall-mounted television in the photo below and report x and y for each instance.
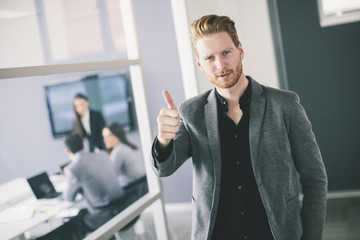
(110, 94)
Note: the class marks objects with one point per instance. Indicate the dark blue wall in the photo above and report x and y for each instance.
(323, 67)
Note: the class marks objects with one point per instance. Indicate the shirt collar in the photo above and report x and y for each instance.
(86, 114)
(243, 99)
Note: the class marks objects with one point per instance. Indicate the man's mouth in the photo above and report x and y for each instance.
(224, 76)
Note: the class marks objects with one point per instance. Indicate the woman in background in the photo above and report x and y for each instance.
(124, 155)
(88, 123)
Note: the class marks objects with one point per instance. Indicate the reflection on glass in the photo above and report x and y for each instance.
(45, 32)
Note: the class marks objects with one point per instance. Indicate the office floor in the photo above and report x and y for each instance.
(343, 219)
(342, 222)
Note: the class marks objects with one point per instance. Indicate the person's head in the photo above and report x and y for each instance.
(113, 134)
(81, 104)
(218, 51)
(210, 24)
(74, 143)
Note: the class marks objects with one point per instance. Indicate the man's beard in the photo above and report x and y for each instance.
(226, 83)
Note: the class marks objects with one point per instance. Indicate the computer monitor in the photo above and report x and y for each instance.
(42, 187)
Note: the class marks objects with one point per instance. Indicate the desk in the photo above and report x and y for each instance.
(44, 209)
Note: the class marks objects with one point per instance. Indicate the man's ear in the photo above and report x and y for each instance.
(198, 64)
(240, 48)
(68, 152)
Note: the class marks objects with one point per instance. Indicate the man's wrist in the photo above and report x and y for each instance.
(161, 153)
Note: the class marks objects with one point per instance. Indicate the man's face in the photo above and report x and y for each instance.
(220, 59)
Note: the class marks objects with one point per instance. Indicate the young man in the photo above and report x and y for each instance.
(248, 144)
(93, 175)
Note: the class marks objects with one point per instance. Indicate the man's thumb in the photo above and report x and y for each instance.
(168, 99)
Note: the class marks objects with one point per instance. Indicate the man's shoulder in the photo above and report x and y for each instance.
(277, 94)
(197, 101)
(86, 157)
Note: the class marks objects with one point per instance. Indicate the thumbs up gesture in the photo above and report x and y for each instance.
(168, 121)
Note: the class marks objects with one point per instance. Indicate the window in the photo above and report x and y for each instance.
(61, 31)
(67, 46)
(335, 12)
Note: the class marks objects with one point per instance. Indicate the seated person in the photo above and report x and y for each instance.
(125, 156)
(93, 175)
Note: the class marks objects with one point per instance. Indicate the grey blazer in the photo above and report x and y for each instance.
(92, 174)
(282, 148)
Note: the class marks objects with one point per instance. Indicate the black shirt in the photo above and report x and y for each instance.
(241, 213)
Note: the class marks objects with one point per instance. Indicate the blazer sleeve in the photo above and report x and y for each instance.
(180, 152)
(308, 161)
(72, 186)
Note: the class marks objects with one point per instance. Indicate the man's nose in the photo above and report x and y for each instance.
(220, 63)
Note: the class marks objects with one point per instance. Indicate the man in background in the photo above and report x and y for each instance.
(93, 176)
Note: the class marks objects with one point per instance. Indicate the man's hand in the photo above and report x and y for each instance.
(168, 121)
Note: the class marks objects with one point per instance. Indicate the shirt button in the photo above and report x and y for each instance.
(236, 136)
(245, 237)
(242, 213)
(237, 162)
(239, 187)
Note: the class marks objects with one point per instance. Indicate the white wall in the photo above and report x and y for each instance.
(27, 53)
(26, 143)
(161, 68)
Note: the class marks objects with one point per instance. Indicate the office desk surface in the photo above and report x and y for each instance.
(44, 210)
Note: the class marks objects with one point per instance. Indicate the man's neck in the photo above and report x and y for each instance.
(232, 95)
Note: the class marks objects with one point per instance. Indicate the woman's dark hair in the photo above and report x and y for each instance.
(82, 96)
(117, 130)
(77, 117)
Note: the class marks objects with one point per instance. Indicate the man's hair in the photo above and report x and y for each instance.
(210, 24)
(74, 142)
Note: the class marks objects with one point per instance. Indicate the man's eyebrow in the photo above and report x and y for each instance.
(228, 49)
(207, 56)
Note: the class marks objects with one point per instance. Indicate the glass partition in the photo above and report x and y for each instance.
(47, 32)
(50, 50)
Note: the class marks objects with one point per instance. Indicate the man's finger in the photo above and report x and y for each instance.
(168, 99)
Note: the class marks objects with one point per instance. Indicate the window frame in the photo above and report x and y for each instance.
(345, 17)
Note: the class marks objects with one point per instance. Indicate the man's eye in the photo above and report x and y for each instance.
(226, 53)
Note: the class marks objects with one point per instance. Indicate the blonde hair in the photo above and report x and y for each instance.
(210, 24)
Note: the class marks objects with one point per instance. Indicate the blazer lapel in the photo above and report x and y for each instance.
(211, 121)
(257, 110)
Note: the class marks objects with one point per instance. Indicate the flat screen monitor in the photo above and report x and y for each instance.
(111, 95)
